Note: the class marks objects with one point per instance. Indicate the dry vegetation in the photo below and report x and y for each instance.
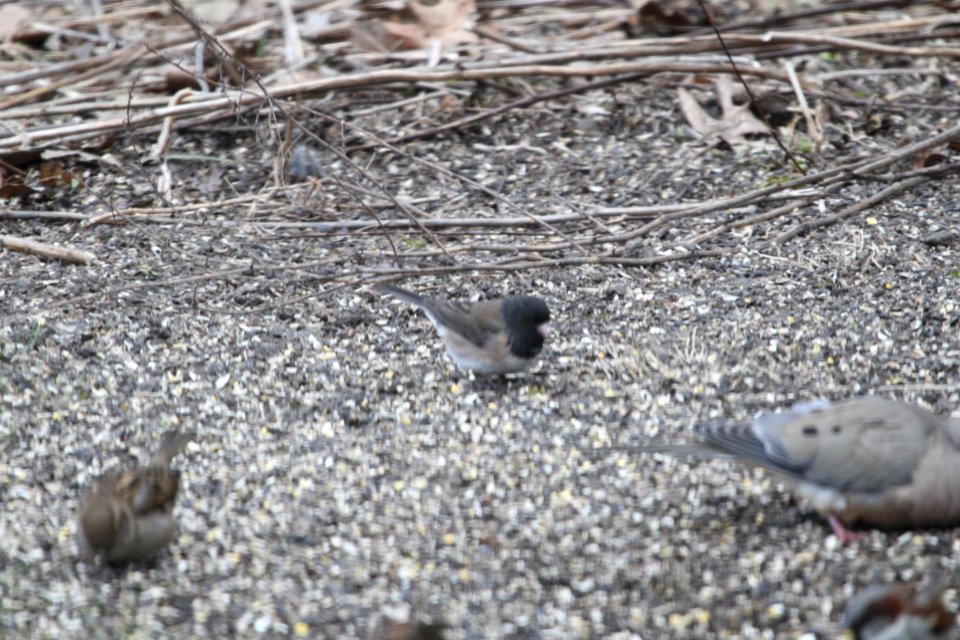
(195, 194)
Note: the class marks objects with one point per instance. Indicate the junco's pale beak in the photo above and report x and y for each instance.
(544, 329)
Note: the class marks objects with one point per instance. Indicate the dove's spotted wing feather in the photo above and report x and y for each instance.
(868, 445)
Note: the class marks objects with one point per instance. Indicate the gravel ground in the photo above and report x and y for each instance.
(344, 476)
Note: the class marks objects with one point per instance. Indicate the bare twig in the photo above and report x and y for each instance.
(516, 104)
(44, 250)
(806, 226)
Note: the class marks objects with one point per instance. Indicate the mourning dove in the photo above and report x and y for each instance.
(129, 516)
(898, 613)
(868, 462)
(491, 337)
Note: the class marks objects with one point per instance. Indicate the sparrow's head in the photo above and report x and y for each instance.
(528, 324)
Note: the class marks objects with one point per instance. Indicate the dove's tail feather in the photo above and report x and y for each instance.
(172, 443)
(403, 294)
(743, 441)
(695, 449)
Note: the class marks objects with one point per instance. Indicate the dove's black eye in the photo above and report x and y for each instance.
(810, 431)
(836, 428)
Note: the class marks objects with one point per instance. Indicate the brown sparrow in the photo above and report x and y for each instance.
(128, 516)
(898, 612)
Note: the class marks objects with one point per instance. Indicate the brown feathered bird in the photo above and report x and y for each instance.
(128, 516)
(898, 612)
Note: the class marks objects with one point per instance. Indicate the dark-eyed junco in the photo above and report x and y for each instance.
(493, 337)
(129, 516)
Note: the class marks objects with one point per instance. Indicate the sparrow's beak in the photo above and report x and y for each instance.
(544, 329)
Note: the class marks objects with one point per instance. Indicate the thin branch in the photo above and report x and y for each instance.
(809, 225)
(44, 250)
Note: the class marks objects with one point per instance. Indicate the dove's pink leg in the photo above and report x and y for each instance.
(843, 534)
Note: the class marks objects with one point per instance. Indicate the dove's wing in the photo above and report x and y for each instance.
(866, 445)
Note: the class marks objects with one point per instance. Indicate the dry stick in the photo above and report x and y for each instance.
(935, 170)
(53, 216)
(117, 60)
(75, 21)
(493, 5)
(150, 129)
(237, 100)
(661, 47)
(69, 105)
(844, 43)
(453, 174)
(111, 216)
(429, 132)
(797, 230)
(157, 284)
(56, 70)
(374, 276)
(373, 214)
(549, 262)
(326, 228)
(792, 16)
(746, 86)
(363, 172)
(905, 152)
(163, 141)
(760, 217)
(44, 250)
(813, 127)
(403, 207)
(803, 227)
(71, 34)
(766, 53)
(857, 169)
(118, 216)
(483, 32)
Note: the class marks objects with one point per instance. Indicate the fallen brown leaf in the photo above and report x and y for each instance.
(12, 17)
(735, 123)
(437, 24)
